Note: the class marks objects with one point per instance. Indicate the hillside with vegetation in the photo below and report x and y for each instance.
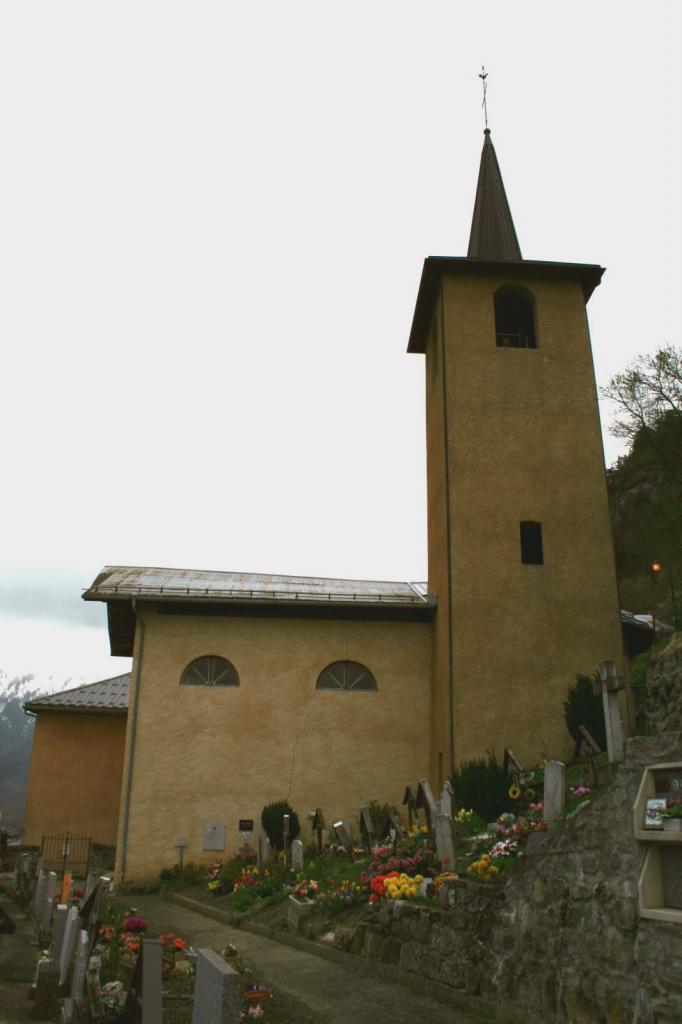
(645, 485)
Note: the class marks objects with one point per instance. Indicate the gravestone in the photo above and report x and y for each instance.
(49, 902)
(425, 800)
(264, 850)
(367, 827)
(610, 687)
(70, 932)
(39, 897)
(393, 827)
(554, 796)
(46, 993)
(143, 1002)
(80, 967)
(58, 926)
(214, 835)
(445, 847)
(446, 798)
(216, 991)
(342, 835)
(297, 911)
(297, 854)
(410, 800)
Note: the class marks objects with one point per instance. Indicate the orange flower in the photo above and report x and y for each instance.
(180, 944)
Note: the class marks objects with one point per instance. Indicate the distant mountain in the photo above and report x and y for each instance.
(16, 741)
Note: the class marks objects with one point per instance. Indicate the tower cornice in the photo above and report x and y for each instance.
(588, 274)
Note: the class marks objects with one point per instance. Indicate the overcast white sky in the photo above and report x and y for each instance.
(213, 218)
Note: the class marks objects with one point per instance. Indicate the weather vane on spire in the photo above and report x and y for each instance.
(483, 75)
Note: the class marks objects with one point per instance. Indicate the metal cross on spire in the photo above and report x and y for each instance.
(483, 75)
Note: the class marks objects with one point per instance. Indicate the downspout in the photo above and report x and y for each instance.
(131, 745)
(448, 527)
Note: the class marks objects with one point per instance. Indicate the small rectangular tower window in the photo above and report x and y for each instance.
(531, 543)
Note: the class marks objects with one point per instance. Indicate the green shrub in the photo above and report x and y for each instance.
(482, 785)
(582, 707)
(272, 820)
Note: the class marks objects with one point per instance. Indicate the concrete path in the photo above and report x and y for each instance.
(332, 993)
(18, 957)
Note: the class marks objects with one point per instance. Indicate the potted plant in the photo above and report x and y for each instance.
(672, 818)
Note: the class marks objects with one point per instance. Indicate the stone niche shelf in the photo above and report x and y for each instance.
(660, 880)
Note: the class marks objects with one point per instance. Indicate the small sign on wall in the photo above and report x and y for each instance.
(214, 835)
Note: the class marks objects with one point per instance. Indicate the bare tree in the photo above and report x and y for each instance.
(647, 392)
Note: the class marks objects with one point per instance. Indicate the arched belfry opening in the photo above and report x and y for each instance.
(514, 318)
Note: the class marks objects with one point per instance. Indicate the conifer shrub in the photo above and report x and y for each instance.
(272, 820)
(482, 785)
(583, 707)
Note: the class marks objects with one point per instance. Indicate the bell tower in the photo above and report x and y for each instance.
(519, 537)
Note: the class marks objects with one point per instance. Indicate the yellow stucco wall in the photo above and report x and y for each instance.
(220, 754)
(75, 780)
(523, 443)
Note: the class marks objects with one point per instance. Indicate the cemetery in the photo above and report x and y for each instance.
(566, 906)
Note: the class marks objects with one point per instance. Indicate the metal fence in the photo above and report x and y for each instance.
(66, 853)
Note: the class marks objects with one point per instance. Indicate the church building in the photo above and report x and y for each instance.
(252, 688)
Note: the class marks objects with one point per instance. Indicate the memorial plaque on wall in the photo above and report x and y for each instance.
(214, 835)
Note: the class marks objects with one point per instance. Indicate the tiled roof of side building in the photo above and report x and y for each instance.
(208, 585)
(107, 695)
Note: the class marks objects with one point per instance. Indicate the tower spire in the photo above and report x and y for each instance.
(493, 236)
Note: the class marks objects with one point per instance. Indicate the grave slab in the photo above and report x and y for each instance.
(216, 990)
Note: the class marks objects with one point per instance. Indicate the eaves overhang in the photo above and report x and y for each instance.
(435, 267)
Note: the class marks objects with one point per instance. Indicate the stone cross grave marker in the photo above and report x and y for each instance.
(610, 686)
(446, 798)
(144, 994)
(70, 932)
(58, 927)
(425, 800)
(286, 827)
(393, 828)
(367, 827)
(297, 854)
(445, 847)
(410, 800)
(586, 747)
(49, 902)
(319, 826)
(554, 790)
(216, 990)
(264, 850)
(93, 987)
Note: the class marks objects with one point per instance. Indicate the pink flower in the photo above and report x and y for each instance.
(134, 924)
(256, 1011)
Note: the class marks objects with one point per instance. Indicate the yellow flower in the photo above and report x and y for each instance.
(514, 792)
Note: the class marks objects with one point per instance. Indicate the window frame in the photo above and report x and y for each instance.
(344, 687)
(234, 680)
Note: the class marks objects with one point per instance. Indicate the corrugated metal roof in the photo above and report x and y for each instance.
(207, 585)
(108, 695)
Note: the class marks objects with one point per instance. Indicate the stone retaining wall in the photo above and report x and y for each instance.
(562, 941)
(663, 700)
